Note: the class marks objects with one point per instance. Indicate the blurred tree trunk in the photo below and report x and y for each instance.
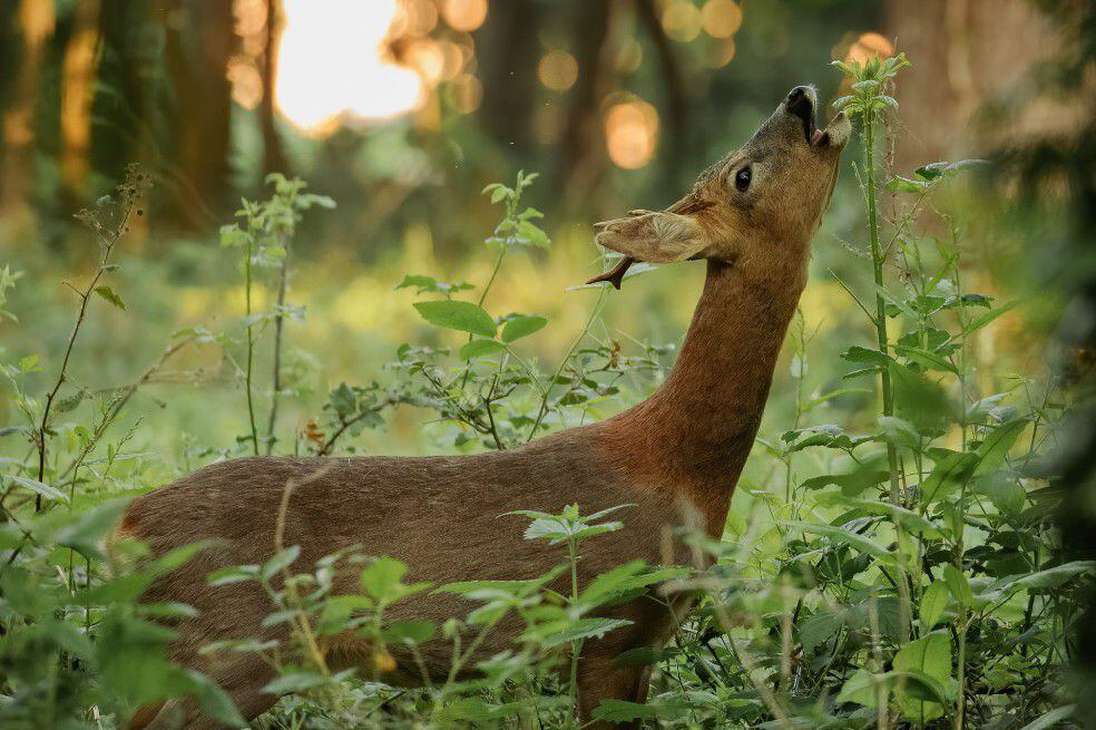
(50, 198)
(121, 96)
(509, 68)
(580, 168)
(200, 39)
(675, 104)
(960, 61)
(25, 27)
(273, 154)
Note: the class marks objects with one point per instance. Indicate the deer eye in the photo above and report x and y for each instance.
(742, 179)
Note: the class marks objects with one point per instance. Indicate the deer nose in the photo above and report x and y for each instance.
(800, 98)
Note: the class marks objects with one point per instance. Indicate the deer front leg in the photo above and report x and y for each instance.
(601, 678)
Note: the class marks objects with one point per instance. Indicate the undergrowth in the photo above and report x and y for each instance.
(900, 570)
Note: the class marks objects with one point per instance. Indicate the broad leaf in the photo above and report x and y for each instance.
(521, 326)
(933, 603)
(481, 348)
(457, 315)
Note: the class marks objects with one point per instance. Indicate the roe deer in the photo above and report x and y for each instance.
(675, 457)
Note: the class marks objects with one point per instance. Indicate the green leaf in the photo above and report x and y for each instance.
(481, 348)
(1054, 577)
(383, 580)
(988, 317)
(931, 171)
(279, 562)
(931, 656)
(991, 454)
(948, 473)
(958, 585)
(88, 530)
(933, 603)
(926, 359)
(908, 519)
(899, 184)
(818, 628)
(109, 294)
(1050, 719)
(623, 711)
(1004, 490)
(529, 233)
(415, 632)
(294, 682)
(866, 356)
(232, 236)
(457, 315)
(38, 487)
(861, 688)
(584, 628)
(848, 537)
(623, 580)
(920, 401)
(851, 484)
(521, 326)
(428, 284)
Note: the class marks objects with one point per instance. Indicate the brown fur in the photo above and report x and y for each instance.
(675, 456)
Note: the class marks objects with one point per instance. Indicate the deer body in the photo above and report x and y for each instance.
(675, 457)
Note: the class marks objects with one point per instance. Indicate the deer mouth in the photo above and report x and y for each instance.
(801, 103)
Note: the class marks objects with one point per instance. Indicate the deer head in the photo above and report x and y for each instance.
(755, 207)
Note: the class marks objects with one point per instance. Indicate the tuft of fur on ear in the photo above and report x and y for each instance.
(659, 238)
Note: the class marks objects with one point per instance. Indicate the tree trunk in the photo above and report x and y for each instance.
(965, 53)
(198, 48)
(508, 63)
(273, 154)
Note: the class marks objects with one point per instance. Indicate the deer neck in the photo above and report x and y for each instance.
(697, 428)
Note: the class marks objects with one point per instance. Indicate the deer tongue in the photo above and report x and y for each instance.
(615, 275)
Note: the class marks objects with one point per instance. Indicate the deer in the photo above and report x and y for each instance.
(675, 457)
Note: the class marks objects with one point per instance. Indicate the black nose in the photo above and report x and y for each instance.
(799, 104)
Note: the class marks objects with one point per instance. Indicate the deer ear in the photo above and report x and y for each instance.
(655, 237)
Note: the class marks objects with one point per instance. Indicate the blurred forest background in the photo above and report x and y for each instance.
(402, 112)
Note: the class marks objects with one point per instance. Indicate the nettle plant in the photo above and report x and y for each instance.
(495, 396)
(523, 685)
(265, 240)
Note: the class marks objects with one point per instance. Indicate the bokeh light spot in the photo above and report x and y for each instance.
(247, 84)
(631, 133)
(681, 20)
(415, 18)
(464, 15)
(330, 65)
(558, 70)
(869, 45)
(720, 54)
(721, 18)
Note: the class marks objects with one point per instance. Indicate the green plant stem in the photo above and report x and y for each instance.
(491, 280)
(960, 700)
(576, 646)
(250, 348)
(279, 326)
(877, 257)
(543, 410)
(85, 298)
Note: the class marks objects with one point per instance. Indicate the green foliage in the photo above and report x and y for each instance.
(899, 568)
